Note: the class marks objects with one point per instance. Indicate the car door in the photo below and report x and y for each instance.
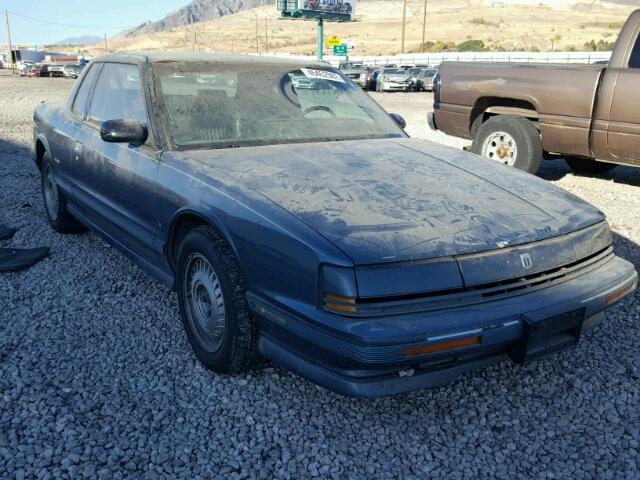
(62, 139)
(623, 134)
(117, 187)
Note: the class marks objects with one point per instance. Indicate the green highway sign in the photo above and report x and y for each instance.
(340, 50)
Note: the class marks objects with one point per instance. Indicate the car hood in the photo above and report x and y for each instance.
(402, 199)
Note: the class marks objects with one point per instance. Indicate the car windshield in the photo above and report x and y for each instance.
(394, 70)
(224, 105)
(430, 73)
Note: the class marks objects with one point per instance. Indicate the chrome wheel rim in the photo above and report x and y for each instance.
(500, 147)
(204, 302)
(51, 193)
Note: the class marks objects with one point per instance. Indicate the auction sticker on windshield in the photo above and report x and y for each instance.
(322, 74)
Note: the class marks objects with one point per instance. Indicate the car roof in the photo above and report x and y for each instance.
(159, 57)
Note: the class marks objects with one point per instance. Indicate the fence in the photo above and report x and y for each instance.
(438, 58)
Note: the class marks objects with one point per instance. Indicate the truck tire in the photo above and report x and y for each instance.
(588, 166)
(510, 140)
(213, 304)
(55, 203)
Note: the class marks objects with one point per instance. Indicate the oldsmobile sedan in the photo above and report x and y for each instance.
(296, 219)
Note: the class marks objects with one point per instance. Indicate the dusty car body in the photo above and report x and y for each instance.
(582, 112)
(363, 260)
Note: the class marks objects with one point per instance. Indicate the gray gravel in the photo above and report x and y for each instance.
(97, 379)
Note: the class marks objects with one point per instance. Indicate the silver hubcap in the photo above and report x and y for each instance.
(205, 304)
(51, 193)
(501, 147)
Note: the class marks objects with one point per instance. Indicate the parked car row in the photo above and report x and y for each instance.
(389, 78)
(29, 69)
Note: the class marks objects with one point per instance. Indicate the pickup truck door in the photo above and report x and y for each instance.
(117, 183)
(623, 134)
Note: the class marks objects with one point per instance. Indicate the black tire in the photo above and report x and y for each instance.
(588, 166)
(55, 202)
(234, 349)
(523, 134)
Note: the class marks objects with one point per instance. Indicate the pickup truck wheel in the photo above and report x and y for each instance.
(512, 141)
(588, 166)
(55, 202)
(213, 304)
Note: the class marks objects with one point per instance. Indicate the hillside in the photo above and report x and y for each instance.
(196, 11)
(506, 24)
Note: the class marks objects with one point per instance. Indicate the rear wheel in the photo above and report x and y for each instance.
(55, 202)
(213, 304)
(588, 165)
(512, 141)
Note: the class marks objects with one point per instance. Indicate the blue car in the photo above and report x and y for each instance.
(296, 219)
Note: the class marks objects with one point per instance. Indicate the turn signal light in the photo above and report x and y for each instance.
(620, 293)
(443, 346)
(340, 303)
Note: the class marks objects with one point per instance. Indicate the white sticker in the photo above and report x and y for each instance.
(322, 75)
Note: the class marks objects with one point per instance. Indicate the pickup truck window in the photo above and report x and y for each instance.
(634, 60)
(80, 102)
(118, 95)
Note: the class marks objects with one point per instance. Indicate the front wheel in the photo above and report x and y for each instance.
(588, 166)
(512, 141)
(213, 304)
(55, 202)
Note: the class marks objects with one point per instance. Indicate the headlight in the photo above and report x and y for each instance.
(338, 289)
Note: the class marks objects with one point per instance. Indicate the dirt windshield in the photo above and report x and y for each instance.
(224, 105)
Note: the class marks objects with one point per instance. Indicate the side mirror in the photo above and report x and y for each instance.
(399, 120)
(123, 131)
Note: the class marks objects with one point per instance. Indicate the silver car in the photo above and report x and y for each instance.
(395, 79)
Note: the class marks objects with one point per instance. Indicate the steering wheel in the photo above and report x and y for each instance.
(319, 108)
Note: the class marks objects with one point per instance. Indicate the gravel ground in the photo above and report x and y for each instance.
(97, 379)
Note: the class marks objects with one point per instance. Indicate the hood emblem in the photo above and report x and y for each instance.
(527, 263)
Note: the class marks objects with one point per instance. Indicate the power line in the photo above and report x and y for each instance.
(68, 25)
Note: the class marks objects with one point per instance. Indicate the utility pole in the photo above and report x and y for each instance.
(106, 45)
(424, 27)
(13, 64)
(320, 39)
(404, 23)
(257, 46)
(266, 36)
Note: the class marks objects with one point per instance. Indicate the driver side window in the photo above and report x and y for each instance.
(118, 95)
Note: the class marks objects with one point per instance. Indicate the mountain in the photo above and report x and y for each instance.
(196, 11)
(83, 40)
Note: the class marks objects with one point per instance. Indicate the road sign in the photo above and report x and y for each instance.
(340, 50)
(333, 42)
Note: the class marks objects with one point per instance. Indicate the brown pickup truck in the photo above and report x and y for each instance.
(519, 114)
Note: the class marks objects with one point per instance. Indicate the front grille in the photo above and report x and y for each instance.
(457, 297)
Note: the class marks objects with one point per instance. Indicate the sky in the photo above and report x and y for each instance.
(47, 21)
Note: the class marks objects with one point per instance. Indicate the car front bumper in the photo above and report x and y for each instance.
(367, 358)
(403, 87)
